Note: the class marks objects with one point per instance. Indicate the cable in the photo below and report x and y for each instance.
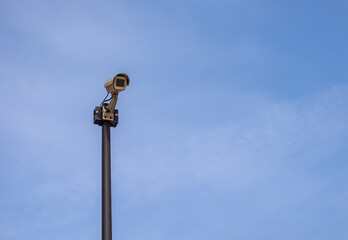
(108, 99)
(104, 100)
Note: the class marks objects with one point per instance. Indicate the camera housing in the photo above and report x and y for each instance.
(117, 83)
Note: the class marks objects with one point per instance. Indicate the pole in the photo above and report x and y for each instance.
(100, 119)
(106, 183)
(106, 116)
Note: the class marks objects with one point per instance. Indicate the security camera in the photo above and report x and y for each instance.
(106, 112)
(117, 83)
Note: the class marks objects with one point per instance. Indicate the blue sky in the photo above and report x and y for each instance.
(234, 125)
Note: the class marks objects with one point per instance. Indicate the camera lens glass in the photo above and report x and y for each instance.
(120, 82)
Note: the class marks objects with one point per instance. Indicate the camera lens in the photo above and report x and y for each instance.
(120, 82)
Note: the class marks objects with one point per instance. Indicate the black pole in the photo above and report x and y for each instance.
(106, 183)
(106, 116)
(105, 121)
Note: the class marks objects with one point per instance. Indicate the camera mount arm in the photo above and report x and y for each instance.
(112, 104)
(106, 112)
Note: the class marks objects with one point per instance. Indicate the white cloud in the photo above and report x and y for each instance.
(276, 137)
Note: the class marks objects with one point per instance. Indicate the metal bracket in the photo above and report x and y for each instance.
(102, 115)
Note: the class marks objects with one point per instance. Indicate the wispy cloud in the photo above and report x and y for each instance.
(276, 138)
(203, 126)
